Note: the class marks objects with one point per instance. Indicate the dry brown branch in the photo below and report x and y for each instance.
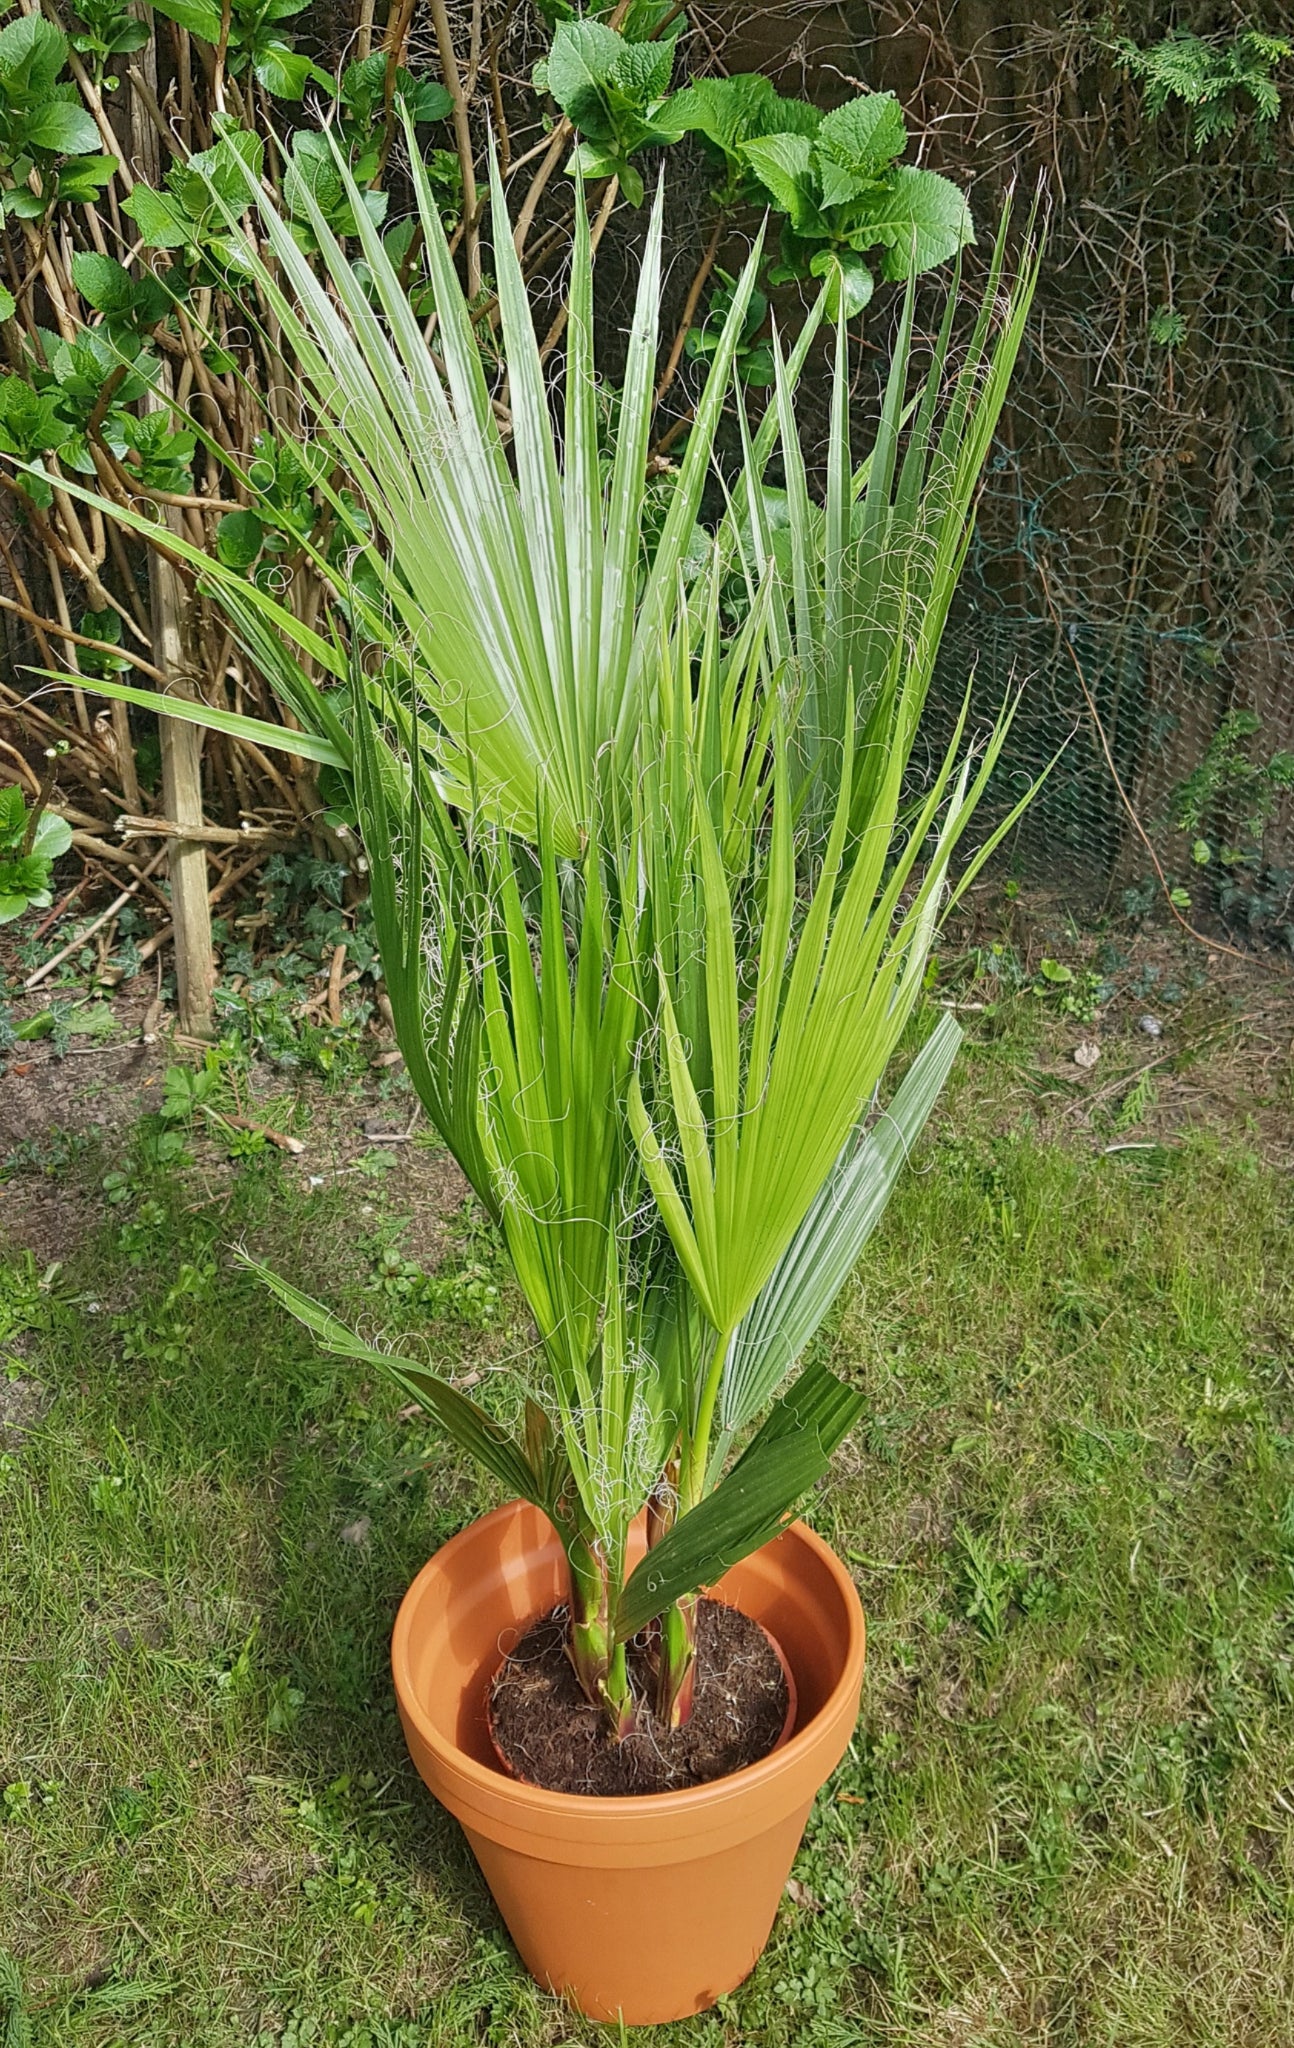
(118, 904)
(210, 835)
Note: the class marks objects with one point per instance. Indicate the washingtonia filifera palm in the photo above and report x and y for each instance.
(654, 895)
(531, 992)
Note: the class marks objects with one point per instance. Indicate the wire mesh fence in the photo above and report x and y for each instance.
(1133, 571)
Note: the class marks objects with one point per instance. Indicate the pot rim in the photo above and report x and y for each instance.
(492, 1784)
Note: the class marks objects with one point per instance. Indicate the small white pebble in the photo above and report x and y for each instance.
(1151, 1026)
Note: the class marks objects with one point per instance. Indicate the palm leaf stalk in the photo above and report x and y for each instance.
(654, 896)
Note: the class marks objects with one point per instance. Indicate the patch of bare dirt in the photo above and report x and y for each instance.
(1189, 1037)
(97, 1089)
(48, 1217)
(23, 1403)
(98, 1085)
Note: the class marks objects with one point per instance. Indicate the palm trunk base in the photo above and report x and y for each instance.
(676, 1678)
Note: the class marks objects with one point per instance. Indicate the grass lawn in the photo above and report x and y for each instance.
(1068, 1815)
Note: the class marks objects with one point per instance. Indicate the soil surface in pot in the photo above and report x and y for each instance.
(551, 1736)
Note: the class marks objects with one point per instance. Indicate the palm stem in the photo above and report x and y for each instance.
(696, 1451)
(598, 1659)
(676, 1677)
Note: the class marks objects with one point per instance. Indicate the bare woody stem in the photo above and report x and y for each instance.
(558, 327)
(463, 139)
(47, 782)
(561, 135)
(690, 304)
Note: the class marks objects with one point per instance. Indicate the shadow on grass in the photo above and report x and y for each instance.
(277, 1482)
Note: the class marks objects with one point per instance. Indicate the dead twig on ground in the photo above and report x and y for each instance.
(114, 908)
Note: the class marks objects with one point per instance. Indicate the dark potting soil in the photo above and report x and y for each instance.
(551, 1735)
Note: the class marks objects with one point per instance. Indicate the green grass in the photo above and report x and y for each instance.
(1068, 1816)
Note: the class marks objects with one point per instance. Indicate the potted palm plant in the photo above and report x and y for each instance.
(655, 895)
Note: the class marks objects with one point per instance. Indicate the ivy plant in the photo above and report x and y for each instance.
(1229, 786)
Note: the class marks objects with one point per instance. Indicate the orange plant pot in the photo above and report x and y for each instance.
(642, 1909)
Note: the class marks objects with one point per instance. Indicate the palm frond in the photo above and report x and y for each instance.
(825, 1249)
(522, 593)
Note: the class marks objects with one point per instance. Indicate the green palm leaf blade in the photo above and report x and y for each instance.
(429, 464)
(825, 1249)
(462, 1419)
(416, 872)
(748, 1507)
(834, 1008)
(310, 746)
(536, 634)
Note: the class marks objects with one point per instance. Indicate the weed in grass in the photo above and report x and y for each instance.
(52, 1154)
(989, 1584)
(24, 1310)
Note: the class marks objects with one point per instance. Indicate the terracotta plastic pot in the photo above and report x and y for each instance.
(642, 1909)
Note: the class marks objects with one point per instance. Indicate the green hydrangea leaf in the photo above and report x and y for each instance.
(32, 53)
(642, 71)
(102, 282)
(783, 166)
(581, 61)
(82, 178)
(857, 143)
(53, 836)
(66, 129)
(239, 539)
(162, 222)
(921, 218)
(13, 815)
(281, 70)
(426, 99)
(850, 283)
(200, 17)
